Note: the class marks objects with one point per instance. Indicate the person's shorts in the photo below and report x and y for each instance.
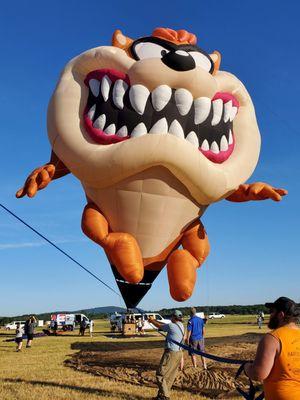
(196, 345)
(30, 336)
(18, 340)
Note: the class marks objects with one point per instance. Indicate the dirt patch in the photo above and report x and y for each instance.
(136, 362)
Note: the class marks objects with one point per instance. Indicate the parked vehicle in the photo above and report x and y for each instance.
(216, 316)
(117, 320)
(68, 322)
(13, 325)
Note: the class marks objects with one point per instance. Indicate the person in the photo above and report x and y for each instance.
(259, 321)
(140, 326)
(195, 336)
(277, 361)
(19, 336)
(120, 324)
(29, 328)
(171, 358)
(82, 327)
(91, 327)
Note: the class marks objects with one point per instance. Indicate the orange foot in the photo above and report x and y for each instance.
(182, 264)
(121, 248)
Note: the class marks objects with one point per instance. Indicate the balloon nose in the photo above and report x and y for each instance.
(179, 60)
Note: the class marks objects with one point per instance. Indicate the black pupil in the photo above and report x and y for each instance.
(163, 52)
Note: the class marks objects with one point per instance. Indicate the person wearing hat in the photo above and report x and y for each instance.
(171, 358)
(277, 361)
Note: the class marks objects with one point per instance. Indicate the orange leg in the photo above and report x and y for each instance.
(182, 264)
(121, 248)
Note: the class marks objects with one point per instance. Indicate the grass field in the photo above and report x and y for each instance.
(42, 372)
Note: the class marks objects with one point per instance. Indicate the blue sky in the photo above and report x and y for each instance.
(254, 246)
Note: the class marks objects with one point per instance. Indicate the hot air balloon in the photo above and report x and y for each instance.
(155, 133)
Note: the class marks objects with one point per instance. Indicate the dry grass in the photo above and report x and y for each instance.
(41, 372)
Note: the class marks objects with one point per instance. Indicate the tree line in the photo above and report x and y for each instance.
(233, 309)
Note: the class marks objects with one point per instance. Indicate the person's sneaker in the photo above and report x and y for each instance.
(28, 347)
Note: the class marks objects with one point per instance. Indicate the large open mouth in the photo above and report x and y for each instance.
(117, 111)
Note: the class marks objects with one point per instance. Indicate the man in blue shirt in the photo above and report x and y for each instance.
(195, 336)
(169, 363)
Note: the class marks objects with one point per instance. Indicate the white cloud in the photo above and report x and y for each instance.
(7, 246)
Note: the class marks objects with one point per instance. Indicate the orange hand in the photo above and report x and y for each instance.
(37, 180)
(256, 191)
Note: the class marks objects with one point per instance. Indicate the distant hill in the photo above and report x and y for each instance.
(101, 310)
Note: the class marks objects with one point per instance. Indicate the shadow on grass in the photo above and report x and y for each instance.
(83, 389)
(117, 346)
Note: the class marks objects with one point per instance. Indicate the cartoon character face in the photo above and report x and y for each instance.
(158, 100)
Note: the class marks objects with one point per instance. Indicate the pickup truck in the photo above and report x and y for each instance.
(117, 320)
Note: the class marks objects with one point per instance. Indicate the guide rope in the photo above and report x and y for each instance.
(59, 249)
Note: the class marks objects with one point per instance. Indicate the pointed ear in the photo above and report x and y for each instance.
(120, 40)
(216, 57)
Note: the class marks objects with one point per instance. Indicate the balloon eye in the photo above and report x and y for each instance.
(202, 61)
(144, 50)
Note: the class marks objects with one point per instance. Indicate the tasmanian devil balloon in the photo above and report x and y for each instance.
(156, 133)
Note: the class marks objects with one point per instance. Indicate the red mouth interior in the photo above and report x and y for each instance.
(105, 104)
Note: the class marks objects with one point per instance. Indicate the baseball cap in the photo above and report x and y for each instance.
(177, 314)
(284, 304)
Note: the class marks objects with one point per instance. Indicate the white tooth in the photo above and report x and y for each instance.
(230, 139)
(183, 100)
(105, 87)
(138, 95)
(139, 130)
(161, 97)
(202, 109)
(94, 86)
(100, 122)
(214, 148)
(192, 138)
(205, 145)
(176, 129)
(122, 132)
(224, 143)
(161, 126)
(110, 130)
(233, 113)
(119, 90)
(217, 111)
(91, 112)
(227, 110)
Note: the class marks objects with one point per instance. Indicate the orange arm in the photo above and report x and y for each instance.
(256, 191)
(42, 176)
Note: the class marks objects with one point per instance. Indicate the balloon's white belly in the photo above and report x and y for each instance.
(153, 206)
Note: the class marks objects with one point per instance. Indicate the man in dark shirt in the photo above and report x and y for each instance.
(195, 336)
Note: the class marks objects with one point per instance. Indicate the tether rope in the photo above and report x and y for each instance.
(59, 249)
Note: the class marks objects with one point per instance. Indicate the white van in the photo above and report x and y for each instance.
(68, 322)
(13, 325)
(117, 320)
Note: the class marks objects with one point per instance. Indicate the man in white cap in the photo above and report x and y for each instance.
(170, 361)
